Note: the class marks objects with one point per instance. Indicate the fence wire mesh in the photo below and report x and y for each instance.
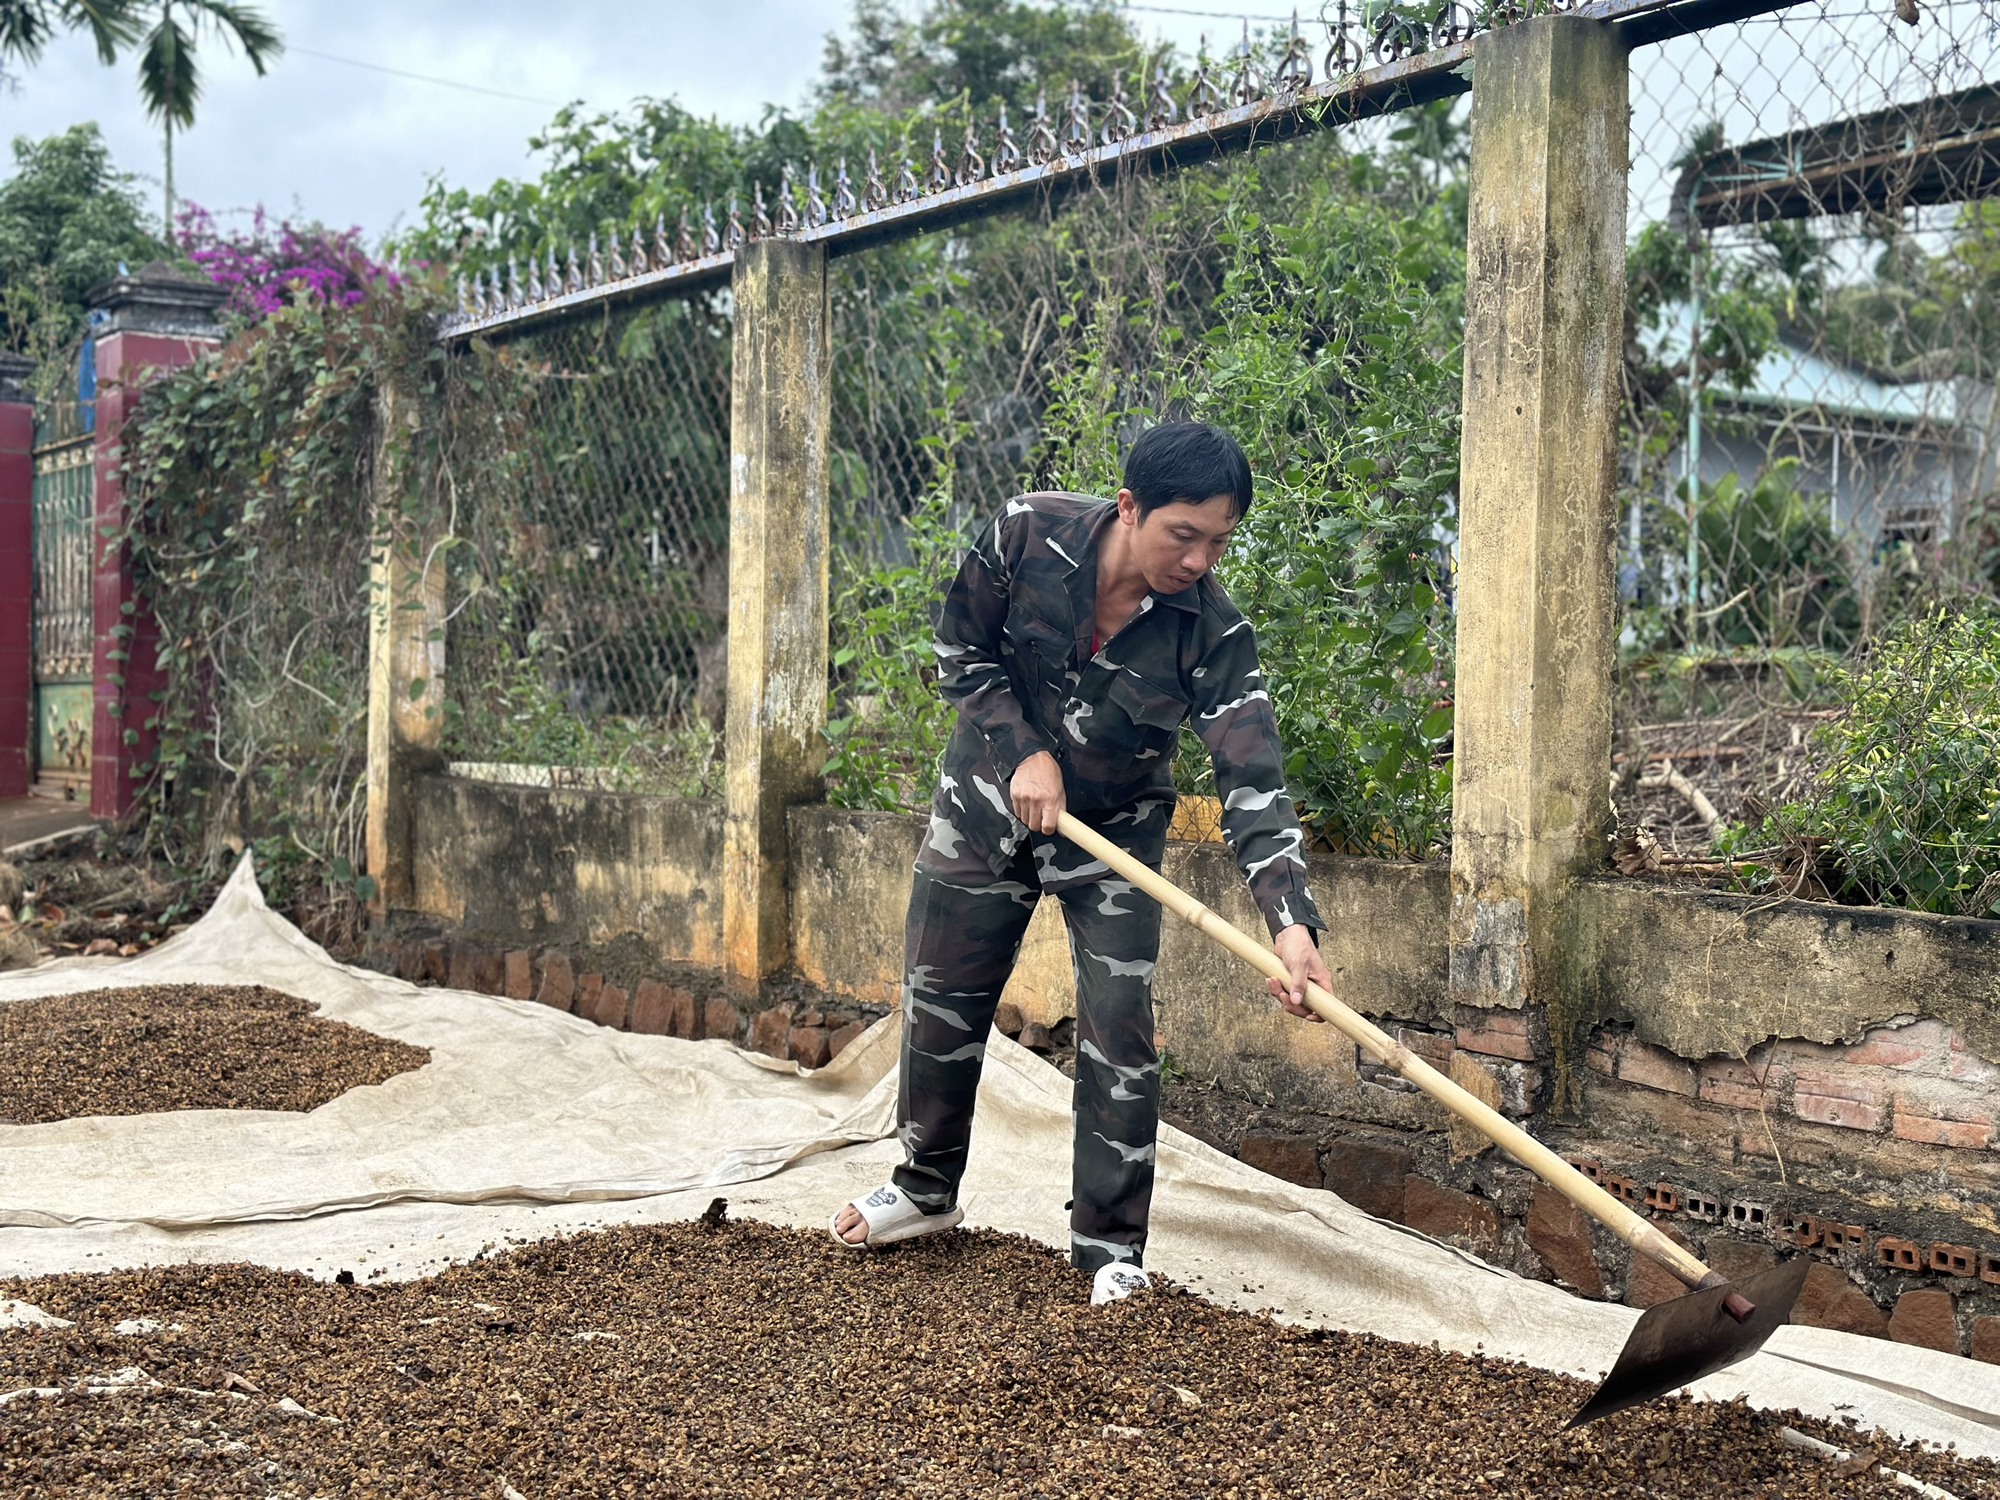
(1302, 298)
(589, 583)
(1809, 460)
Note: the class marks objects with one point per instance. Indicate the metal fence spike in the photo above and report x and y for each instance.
(463, 300)
(1076, 121)
(1295, 69)
(515, 296)
(663, 248)
(711, 237)
(1120, 124)
(552, 276)
(1161, 111)
(874, 192)
(1006, 150)
(685, 248)
(594, 266)
(1248, 86)
(907, 189)
(1204, 98)
(1042, 143)
(614, 260)
(733, 237)
(788, 207)
(760, 222)
(844, 201)
(478, 303)
(971, 165)
(636, 258)
(939, 176)
(573, 277)
(1343, 54)
(816, 209)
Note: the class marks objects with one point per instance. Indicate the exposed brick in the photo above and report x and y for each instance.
(1986, 1340)
(1008, 1020)
(1647, 1282)
(1737, 1259)
(1898, 1254)
(1735, 1085)
(1920, 1044)
(1654, 1068)
(588, 988)
(1560, 1233)
(771, 1030)
(558, 981)
(1850, 1114)
(810, 1018)
(662, 1009)
(611, 1007)
(1294, 1158)
(1829, 1300)
(1499, 1034)
(1448, 1214)
(1434, 1047)
(810, 1045)
(1476, 1078)
(517, 974)
(1927, 1318)
(476, 967)
(1602, 1054)
(721, 1020)
(1925, 1131)
(1035, 1037)
(1368, 1172)
(838, 1041)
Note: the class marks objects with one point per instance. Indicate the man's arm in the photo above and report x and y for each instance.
(970, 674)
(1232, 714)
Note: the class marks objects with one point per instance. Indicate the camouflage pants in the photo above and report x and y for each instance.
(964, 930)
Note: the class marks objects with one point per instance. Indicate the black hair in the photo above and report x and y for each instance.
(1188, 461)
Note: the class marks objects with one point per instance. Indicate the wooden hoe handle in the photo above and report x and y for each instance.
(1504, 1133)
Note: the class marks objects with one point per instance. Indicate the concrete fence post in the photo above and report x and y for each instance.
(780, 403)
(1537, 612)
(17, 576)
(155, 321)
(406, 650)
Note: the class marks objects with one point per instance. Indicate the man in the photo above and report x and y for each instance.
(1076, 640)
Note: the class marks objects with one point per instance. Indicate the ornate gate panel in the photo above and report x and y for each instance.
(62, 522)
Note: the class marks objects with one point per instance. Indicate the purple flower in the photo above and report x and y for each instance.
(268, 270)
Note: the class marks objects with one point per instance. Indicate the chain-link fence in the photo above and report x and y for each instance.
(589, 584)
(1307, 299)
(1809, 464)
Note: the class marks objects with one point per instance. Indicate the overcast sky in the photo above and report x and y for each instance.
(346, 144)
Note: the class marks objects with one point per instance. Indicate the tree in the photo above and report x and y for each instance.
(28, 26)
(170, 75)
(68, 218)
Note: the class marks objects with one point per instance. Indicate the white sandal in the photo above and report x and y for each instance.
(891, 1217)
(1117, 1281)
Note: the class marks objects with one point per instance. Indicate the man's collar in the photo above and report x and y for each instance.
(1077, 539)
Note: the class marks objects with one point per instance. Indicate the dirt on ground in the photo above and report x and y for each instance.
(182, 1046)
(732, 1359)
(75, 902)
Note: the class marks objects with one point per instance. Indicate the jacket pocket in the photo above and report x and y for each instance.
(1155, 713)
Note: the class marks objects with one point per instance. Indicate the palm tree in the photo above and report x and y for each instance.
(27, 26)
(169, 76)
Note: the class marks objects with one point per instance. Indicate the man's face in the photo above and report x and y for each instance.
(1180, 541)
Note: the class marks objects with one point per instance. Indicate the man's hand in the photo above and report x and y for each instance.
(1037, 792)
(1295, 947)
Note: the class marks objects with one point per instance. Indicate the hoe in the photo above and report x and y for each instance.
(1716, 1324)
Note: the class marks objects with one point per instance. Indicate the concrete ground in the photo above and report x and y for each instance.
(29, 820)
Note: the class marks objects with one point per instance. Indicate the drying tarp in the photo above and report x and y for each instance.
(528, 1123)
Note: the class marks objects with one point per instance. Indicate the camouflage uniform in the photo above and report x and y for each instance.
(1015, 654)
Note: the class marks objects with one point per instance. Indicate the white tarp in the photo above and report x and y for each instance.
(528, 1123)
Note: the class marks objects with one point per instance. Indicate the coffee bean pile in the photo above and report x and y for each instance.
(735, 1359)
(181, 1046)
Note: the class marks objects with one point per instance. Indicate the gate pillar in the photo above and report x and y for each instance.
(17, 575)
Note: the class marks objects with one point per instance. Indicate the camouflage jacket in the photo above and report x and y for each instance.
(1014, 650)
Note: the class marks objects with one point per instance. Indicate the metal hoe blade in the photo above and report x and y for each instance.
(1678, 1342)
